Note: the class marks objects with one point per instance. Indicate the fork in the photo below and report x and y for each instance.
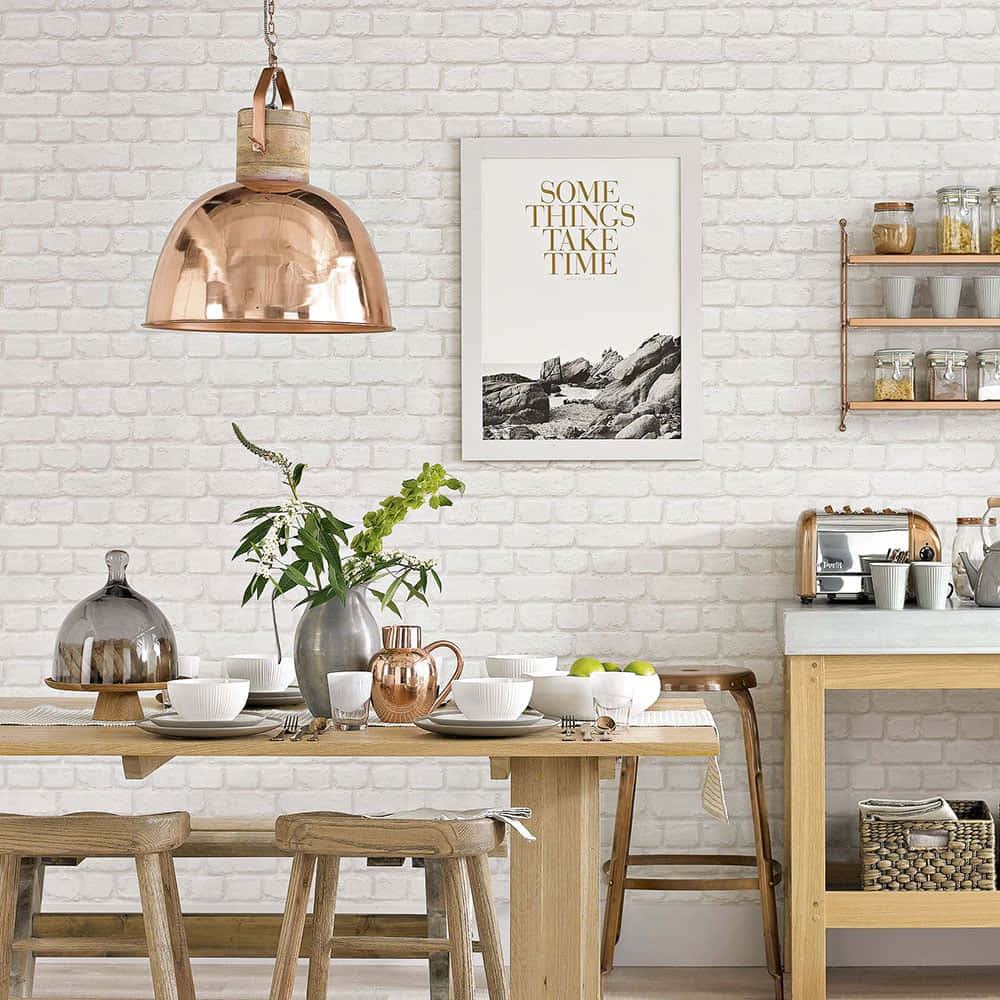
(290, 727)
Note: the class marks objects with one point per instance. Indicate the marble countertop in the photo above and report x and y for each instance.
(848, 627)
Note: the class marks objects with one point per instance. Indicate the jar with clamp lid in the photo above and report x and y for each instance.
(958, 219)
(946, 374)
(993, 197)
(893, 230)
(989, 374)
(894, 375)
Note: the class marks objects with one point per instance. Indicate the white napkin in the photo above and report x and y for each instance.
(510, 816)
(914, 809)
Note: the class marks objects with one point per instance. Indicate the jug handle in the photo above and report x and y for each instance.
(446, 690)
(992, 503)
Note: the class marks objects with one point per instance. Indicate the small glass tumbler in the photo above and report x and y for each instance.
(617, 707)
(350, 699)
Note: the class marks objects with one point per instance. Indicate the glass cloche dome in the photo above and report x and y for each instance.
(115, 636)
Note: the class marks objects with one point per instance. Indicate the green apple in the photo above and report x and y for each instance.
(640, 667)
(611, 667)
(586, 666)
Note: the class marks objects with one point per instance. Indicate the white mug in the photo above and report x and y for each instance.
(889, 584)
(933, 584)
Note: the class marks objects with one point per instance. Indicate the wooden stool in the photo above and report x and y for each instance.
(461, 847)
(149, 839)
(738, 683)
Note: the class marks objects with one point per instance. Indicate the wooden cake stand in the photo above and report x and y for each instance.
(115, 702)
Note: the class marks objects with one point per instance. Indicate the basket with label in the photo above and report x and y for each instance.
(935, 854)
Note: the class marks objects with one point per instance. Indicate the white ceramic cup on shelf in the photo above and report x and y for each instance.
(208, 699)
(933, 584)
(898, 294)
(262, 670)
(946, 292)
(987, 288)
(889, 584)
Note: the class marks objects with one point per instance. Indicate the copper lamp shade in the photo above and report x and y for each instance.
(270, 253)
(242, 260)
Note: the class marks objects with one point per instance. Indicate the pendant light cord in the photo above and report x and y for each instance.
(270, 35)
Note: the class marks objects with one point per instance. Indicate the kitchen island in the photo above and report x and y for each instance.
(851, 646)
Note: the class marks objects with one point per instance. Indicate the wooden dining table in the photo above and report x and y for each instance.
(554, 881)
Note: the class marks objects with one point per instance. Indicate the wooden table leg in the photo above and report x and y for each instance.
(806, 811)
(555, 920)
(29, 903)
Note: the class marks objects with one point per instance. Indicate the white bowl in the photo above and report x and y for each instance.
(490, 699)
(516, 665)
(262, 671)
(208, 699)
(560, 694)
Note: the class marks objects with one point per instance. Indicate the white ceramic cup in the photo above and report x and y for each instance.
(889, 584)
(946, 291)
(350, 690)
(988, 295)
(189, 666)
(516, 665)
(898, 294)
(208, 699)
(933, 584)
(262, 670)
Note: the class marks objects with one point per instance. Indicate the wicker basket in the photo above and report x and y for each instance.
(965, 860)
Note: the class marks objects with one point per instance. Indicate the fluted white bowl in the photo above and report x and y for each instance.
(560, 694)
(208, 699)
(264, 672)
(517, 665)
(489, 699)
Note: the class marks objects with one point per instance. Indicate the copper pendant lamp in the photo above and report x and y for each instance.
(270, 253)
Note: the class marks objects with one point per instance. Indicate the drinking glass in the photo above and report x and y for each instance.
(350, 699)
(617, 707)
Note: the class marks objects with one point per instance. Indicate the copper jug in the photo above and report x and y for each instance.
(405, 676)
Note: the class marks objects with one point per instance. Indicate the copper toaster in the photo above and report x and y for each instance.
(833, 548)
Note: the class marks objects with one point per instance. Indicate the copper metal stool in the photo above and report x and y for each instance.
(738, 683)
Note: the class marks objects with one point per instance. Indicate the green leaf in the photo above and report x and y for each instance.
(296, 474)
(437, 579)
(252, 515)
(248, 594)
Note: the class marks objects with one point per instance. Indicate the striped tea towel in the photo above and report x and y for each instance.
(713, 795)
(52, 715)
(510, 816)
(916, 809)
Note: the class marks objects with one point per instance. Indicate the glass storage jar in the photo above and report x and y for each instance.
(958, 219)
(989, 374)
(893, 229)
(894, 375)
(115, 636)
(994, 198)
(968, 539)
(947, 374)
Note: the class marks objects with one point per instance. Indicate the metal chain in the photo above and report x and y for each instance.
(270, 35)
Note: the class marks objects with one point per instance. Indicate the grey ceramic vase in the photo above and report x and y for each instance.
(333, 637)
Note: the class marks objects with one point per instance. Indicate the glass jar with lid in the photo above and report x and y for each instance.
(993, 196)
(989, 374)
(946, 374)
(958, 219)
(894, 375)
(893, 229)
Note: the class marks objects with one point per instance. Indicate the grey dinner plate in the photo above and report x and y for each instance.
(209, 731)
(457, 720)
(171, 720)
(486, 729)
(275, 699)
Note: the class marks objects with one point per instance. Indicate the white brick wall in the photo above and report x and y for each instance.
(116, 114)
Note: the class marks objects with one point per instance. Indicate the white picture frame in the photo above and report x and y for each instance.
(564, 242)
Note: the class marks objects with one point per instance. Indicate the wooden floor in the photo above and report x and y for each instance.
(248, 980)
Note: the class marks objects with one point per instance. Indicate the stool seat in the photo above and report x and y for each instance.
(347, 836)
(92, 834)
(707, 679)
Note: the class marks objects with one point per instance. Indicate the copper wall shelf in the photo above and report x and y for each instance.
(847, 323)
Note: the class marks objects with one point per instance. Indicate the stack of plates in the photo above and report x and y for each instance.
(451, 723)
(170, 724)
(275, 699)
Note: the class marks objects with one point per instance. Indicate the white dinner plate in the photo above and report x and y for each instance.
(460, 721)
(213, 731)
(486, 729)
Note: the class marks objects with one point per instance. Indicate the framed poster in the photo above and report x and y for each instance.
(581, 299)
